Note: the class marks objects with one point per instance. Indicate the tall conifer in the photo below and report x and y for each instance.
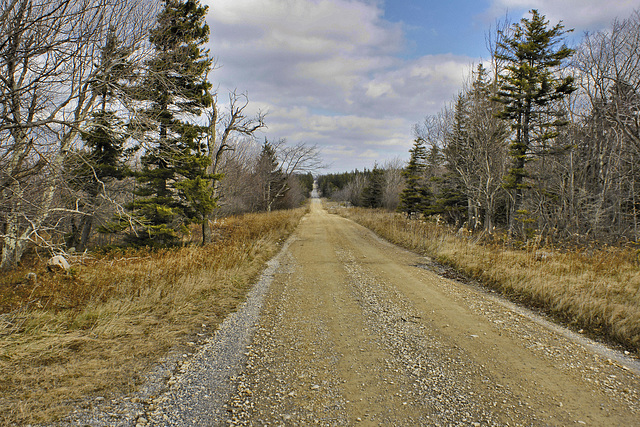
(101, 160)
(529, 87)
(372, 193)
(415, 196)
(271, 177)
(173, 180)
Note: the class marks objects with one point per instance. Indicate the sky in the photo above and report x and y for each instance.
(355, 76)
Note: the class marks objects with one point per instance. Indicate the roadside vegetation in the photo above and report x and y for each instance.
(542, 142)
(596, 290)
(97, 329)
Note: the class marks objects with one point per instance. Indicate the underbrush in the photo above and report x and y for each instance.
(96, 330)
(597, 291)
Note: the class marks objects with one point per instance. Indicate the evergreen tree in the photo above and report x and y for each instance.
(271, 177)
(306, 182)
(528, 90)
(415, 196)
(449, 200)
(173, 178)
(102, 158)
(459, 163)
(372, 193)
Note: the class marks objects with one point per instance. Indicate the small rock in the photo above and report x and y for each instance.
(58, 263)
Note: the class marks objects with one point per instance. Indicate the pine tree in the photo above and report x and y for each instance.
(101, 160)
(528, 90)
(272, 179)
(372, 193)
(173, 178)
(416, 194)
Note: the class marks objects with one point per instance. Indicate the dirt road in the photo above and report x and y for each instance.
(354, 332)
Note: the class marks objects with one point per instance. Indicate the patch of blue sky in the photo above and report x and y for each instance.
(435, 27)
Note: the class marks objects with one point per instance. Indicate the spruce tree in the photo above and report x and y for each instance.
(272, 179)
(101, 160)
(372, 193)
(416, 194)
(171, 192)
(528, 90)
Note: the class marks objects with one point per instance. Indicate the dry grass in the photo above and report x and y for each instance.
(598, 292)
(97, 330)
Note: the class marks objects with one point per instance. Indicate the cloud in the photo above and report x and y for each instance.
(329, 72)
(347, 141)
(583, 15)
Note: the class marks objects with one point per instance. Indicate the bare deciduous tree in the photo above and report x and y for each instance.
(393, 184)
(224, 129)
(49, 60)
(609, 143)
(293, 159)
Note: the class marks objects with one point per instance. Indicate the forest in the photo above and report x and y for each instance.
(111, 131)
(543, 142)
(120, 153)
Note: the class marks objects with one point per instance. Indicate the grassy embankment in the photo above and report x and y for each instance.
(598, 292)
(97, 330)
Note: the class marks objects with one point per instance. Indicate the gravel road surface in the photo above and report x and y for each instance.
(355, 331)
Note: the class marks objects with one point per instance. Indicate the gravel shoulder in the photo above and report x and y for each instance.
(347, 329)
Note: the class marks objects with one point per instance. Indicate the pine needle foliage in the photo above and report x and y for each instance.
(529, 90)
(173, 180)
(416, 194)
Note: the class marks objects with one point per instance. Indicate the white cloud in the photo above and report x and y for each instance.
(377, 89)
(582, 15)
(329, 72)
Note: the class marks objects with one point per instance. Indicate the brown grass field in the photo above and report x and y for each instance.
(597, 291)
(97, 330)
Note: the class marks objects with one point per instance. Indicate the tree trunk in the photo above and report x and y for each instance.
(86, 225)
(10, 241)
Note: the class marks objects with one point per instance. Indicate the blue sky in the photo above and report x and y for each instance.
(355, 76)
(436, 27)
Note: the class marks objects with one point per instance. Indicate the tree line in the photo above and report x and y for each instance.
(109, 123)
(543, 142)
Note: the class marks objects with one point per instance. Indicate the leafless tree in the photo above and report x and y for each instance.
(352, 192)
(292, 159)
(482, 159)
(238, 191)
(225, 129)
(49, 60)
(393, 183)
(609, 75)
